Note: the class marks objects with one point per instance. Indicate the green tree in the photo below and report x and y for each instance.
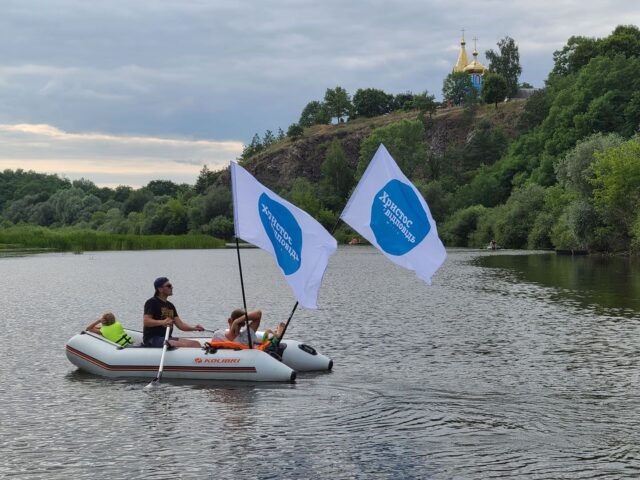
(206, 178)
(295, 131)
(337, 177)
(162, 187)
(338, 103)
(253, 148)
(506, 62)
(574, 55)
(425, 103)
(314, 113)
(616, 183)
(456, 86)
(403, 101)
(494, 88)
(371, 102)
(485, 145)
(573, 170)
(303, 195)
(535, 110)
(406, 143)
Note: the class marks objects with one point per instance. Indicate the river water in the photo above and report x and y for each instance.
(511, 365)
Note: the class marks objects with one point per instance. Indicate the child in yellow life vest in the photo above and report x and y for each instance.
(110, 329)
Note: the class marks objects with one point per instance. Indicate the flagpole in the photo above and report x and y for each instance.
(244, 299)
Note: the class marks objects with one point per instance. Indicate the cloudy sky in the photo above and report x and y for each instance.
(127, 91)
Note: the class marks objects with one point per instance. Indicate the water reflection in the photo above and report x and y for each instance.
(605, 284)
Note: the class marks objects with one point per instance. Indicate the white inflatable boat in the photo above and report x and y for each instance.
(95, 354)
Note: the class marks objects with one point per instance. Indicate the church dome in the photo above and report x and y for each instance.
(462, 57)
(475, 66)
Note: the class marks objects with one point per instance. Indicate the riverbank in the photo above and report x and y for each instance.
(79, 240)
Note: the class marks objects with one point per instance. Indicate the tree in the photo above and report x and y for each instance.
(254, 147)
(403, 101)
(486, 145)
(206, 178)
(303, 195)
(535, 110)
(337, 177)
(268, 138)
(506, 62)
(574, 171)
(295, 131)
(337, 102)
(405, 142)
(371, 102)
(314, 113)
(456, 87)
(424, 102)
(574, 55)
(494, 88)
(162, 187)
(617, 185)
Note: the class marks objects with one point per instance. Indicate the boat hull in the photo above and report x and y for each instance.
(96, 355)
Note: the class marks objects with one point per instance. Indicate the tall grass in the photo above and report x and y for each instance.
(75, 240)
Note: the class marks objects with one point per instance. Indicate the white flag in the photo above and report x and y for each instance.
(300, 245)
(387, 210)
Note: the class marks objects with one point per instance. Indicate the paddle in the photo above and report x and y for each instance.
(164, 350)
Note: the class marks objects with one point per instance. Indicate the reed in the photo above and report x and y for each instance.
(76, 240)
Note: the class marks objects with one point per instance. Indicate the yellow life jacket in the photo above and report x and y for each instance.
(116, 334)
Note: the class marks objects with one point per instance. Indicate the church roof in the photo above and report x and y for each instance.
(475, 66)
(462, 57)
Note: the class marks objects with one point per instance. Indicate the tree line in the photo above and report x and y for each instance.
(568, 178)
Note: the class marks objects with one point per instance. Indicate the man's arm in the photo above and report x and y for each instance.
(185, 327)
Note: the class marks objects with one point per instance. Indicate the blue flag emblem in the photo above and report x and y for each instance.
(398, 220)
(284, 232)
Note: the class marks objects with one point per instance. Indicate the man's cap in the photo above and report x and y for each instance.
(160, 281)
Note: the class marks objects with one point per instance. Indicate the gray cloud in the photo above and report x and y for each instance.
(226, 69)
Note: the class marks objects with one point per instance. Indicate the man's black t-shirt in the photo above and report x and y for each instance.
(159, 310)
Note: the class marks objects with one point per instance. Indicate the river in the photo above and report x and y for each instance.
(511, 365)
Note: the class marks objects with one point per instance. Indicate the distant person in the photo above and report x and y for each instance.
(109, 328)
(235, 332)
(159, 314)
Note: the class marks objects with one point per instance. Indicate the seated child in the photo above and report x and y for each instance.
(110, 329)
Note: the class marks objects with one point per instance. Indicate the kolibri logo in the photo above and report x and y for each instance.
(398, 220)
(284, 232)
(200, 360)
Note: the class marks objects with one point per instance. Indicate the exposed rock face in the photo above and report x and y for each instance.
(281, 163)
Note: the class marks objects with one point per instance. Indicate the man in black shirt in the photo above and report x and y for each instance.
(160, 314)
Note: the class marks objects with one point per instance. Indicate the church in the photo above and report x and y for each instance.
(474, 68)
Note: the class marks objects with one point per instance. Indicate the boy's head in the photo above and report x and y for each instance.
(108, 318)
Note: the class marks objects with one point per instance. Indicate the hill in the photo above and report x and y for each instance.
(449, 128)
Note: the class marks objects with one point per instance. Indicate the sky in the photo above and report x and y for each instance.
(122, 92)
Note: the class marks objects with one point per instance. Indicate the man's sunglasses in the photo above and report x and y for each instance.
(168, 285)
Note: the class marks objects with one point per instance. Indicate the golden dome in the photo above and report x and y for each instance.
(462, 57)
(475, 66)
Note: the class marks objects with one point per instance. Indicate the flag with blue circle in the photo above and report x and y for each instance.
(389, 211)
(300, 245)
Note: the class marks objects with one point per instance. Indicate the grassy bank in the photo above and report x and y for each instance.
(73, 240)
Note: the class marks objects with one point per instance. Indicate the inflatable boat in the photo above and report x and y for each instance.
(95, 354)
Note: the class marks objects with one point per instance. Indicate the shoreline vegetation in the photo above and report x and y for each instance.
(557, 169)
(79, 240)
